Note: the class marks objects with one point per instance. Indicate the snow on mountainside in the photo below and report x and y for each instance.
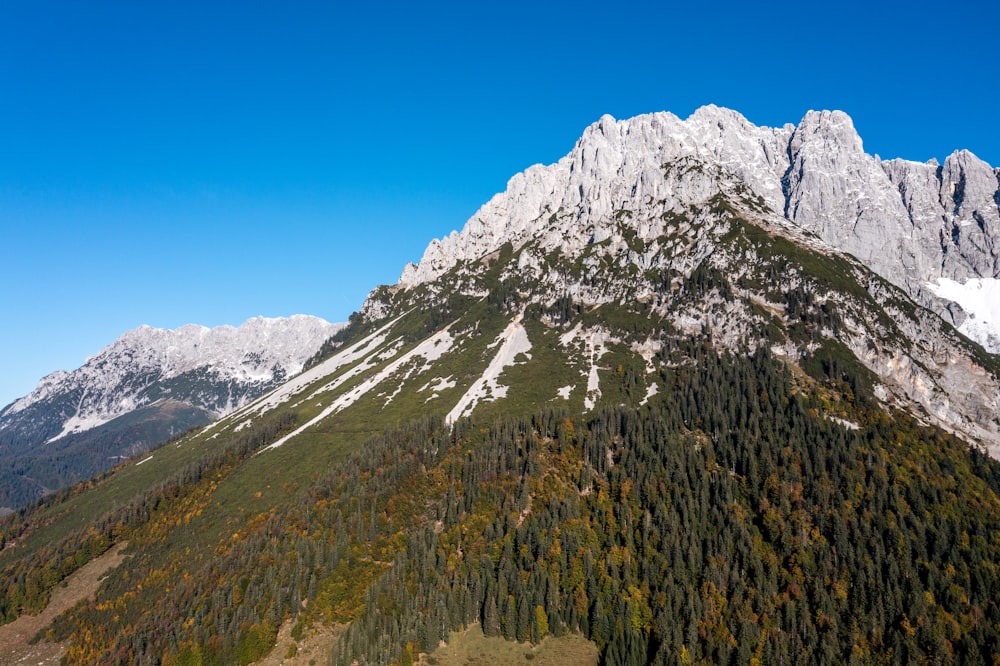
(913, 223)
(218, 369)
(980, 298)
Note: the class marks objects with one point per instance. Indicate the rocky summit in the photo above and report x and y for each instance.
(912, 223)
(638, 197)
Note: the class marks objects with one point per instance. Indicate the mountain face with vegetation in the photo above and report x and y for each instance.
(146, 387)
(912, 223)
(642, 397)
(655, 198)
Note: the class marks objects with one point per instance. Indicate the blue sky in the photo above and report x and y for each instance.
(169, 163)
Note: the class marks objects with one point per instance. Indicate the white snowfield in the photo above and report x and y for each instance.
(376, 349)
(78, 423)
(980, 298)
(651, 390)
(373, 350)
(436, 385)
(594, 343)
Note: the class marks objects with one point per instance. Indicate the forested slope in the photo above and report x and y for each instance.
(727, 521)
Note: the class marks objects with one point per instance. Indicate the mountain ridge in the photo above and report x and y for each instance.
(255, 351)
(912, 222)
(624, 205)
(148, 385)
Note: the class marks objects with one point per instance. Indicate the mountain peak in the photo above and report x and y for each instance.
(827, 132)
(910, 222)
(125, 374)
(710, 113)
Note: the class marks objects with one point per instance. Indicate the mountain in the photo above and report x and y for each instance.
(694, 393)
(148, 386)
(914, 224)
(656, 194)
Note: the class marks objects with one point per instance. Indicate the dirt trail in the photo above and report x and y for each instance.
(14, 637)
(314, 648)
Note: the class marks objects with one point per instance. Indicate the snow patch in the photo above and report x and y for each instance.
(436, 385)
(594, 342)
(439, 384)
(513, 341)
(593, 388)
(77, 424)
(567, 338)
(565, 391)
(439, 346)
(850, 425)
(980, 298)
(147, 459)
(648, 350)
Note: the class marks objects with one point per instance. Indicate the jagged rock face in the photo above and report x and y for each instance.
(649, 162)
(953, 210)
(840, 193)
(638, 205)
(215, 369)
(912, 223)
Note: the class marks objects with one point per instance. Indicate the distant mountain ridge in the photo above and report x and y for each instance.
(180, 378)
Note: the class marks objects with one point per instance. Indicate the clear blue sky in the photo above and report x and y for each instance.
(177, 162)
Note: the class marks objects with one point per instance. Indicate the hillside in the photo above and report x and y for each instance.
(634, 399)
(148, 386)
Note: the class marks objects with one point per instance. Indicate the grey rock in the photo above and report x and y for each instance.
(654, 194)
(910, 222)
